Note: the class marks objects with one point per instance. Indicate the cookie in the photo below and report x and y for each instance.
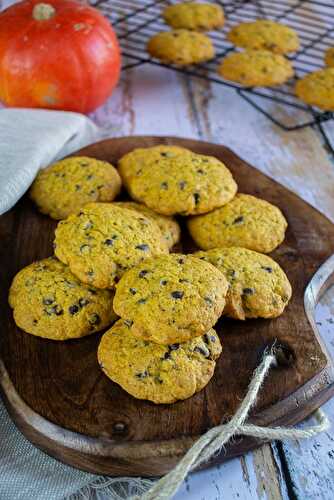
(50, 302)
(264, 34)
(317, 89)
(181, 47)
(329, 57)
(66, 186)
(256, 68)
(194, 16)
(162, 374)
(179, 183)
(258, 287)
(102, 241)
(246, 221)
(168, 226)
(171, 298)
(132, 163)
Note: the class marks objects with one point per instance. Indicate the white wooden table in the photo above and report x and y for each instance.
(156, 101)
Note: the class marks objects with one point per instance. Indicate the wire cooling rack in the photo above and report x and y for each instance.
(135, 21)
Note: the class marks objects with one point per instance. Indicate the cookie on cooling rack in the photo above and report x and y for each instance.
(265, 34)
(194, 16)
(181, 47)
(246, 221)
(317, 89)
(50, 302)
(64, 187)
(256, 68)
(159, 373)
(171, 298)
(258, 287)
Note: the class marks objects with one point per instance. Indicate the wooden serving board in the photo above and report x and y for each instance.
(60, 399)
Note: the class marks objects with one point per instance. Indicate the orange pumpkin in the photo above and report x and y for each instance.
(59, 55)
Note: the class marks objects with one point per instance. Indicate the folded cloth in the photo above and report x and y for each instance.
(31, 139)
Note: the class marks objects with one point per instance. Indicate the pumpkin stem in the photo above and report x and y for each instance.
(43, 11)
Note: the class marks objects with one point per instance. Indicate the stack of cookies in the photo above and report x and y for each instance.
(115, 259)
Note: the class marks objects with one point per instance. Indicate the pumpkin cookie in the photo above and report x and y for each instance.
(178, 184)
(50, 302)
(256, 68)
(317, 89)
(246, 221)
(68, 185)
(194, 16)
(329, 57)
(258, 287)
(162, 374)
(102, 241)
(168, 226)
(171, 298)
(264, 34)
(181, 47)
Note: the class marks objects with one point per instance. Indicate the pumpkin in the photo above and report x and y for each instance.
(59, 55)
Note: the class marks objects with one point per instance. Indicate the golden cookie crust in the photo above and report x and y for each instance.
(317, 89)
(264, 34)
(256, 68)
(246, 221)
(62, 188)
(178, 183)
(258, 287)
(329, 57)
(168, 226)
(194, 16)
(181, 47)
(50, 302)
(158, 373)
(171, 298)
(102, 241)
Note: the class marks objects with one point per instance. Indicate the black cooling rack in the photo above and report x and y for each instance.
(135, 21)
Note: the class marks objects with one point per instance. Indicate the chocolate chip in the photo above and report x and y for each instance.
(183, 280)
(142, 375)
(177, 294)
(200, 171)
(108, 242)
(166, 154)
(182, 185)
(207, 338)
(142, 273)
(73, 309)
(92, 192)
(181, 261)
(47, 301)
(166, 355)
(83, 302)
(128, 322)
(268, 269)
(92, 291)
(163, 282)
(133, 291)
(238, 220)
(208, 301)
(164, 185)
(173, 347)
(95, 319)
(35, 321)
(202, 350)
(248, 291)
(77, 187)
(56, 309)
(197, 198)
(141, 301)
(89, 177)
(143, 246)
(158, 380)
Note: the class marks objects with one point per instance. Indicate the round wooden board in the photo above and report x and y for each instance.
(63, 403)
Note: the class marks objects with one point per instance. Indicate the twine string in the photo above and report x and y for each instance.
(212, 441)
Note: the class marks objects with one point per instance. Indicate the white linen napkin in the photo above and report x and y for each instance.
(31, 139)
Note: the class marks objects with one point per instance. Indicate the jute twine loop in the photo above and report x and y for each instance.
(212, 441)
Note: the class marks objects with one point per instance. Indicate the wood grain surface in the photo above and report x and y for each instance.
(62, 383)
